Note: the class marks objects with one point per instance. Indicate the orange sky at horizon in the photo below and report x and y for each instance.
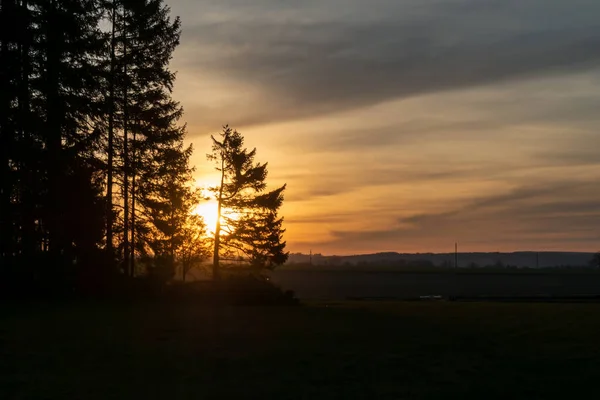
(496, 160)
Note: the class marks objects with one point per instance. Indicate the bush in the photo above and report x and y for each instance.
(236, 290)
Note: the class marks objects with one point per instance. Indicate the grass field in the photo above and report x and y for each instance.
(342, 285)
(347, 350)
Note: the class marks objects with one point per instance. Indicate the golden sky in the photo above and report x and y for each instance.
(407, 125)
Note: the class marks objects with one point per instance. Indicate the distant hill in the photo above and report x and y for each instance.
(521, 259)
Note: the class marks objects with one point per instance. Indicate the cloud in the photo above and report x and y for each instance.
(403, 125)
(577, 154)
(384, 176)
(553, 212)
(308, 63)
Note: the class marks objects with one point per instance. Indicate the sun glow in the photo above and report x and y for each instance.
(208, 210)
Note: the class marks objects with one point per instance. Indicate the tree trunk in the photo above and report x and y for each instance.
(6, 135)
(53, 133)
(133, 171)
(125, 159)
(110, 150)
(217, 247)
(26, 165)
(172, 240)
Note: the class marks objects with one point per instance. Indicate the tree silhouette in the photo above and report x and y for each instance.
(85, 108)
(49, 53)
(94, 174)
(251, 224)
(11, 27)
(169, 201)
(111, 10)
(142, 117)
(195, 245)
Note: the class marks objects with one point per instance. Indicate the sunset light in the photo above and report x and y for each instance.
(277, 199)
(208, 211)
(413, 128)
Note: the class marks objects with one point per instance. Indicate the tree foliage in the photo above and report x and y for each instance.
(142, 114)
(94, 172)
(50, 52)
(249, 213)
(85, 108)
(195, 246)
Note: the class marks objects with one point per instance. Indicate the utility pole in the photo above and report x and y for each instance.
(456, 255)
(310, 257)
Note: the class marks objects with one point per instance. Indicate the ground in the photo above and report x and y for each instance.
(462, 283)
(370, 350)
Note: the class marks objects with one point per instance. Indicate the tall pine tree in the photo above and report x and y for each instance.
(168, 202)
(250, 215)
(86, 109)
(67, 47)
(10, 26)
(144, 114)
(6, 135)
(50, 100)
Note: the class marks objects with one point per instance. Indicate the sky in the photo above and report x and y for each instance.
(406, 125)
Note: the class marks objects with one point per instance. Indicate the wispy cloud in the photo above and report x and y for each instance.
(400, 125)
(308, 60)
(556, 212)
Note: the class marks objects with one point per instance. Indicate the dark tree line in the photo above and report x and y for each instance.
(92, 155)
(95, 177)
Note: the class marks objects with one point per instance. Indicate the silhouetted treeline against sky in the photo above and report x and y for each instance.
(93, 162)
(530, 259)
(96, 181)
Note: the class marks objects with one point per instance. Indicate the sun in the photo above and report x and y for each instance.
(208, 210)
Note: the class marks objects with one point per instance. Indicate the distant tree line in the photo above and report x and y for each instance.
(95, 179)
(339, 263)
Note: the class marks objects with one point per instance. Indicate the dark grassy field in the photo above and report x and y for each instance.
(340, 285)
(348, 350)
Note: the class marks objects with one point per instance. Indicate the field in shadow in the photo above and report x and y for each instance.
(348, 284)
(345, 350)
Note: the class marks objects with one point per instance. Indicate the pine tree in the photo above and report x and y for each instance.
(111, 77)
(9, 27)
(28, 149)
(49, 53)
(251, 224)
(17, 154)
(66, 47)
(143, 111)
(168, 202)
(257, 231)
(84, 109)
